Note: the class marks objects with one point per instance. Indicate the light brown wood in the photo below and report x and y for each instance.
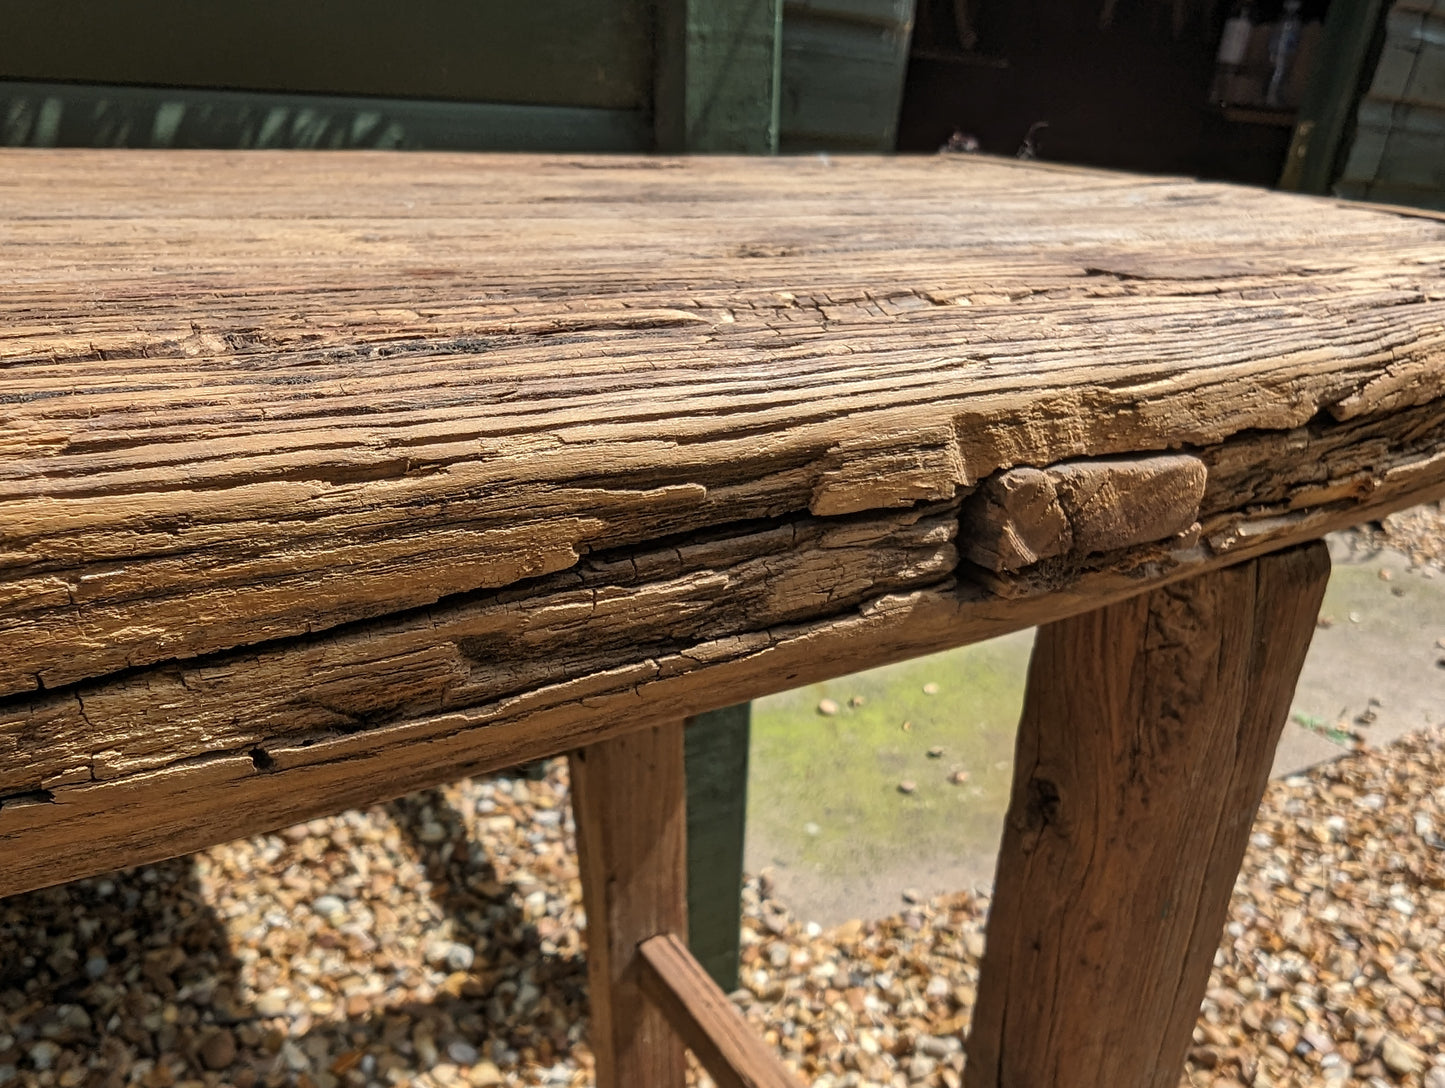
(255, 396)
(703, 1017)
(1081, 509)
(629, 801)
(91, 826)
(328, 477)
(1145, 744)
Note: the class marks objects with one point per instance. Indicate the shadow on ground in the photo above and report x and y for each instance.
(136, 969)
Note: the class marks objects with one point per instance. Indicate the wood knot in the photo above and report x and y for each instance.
(1080, 508)
(1043, 804)
(262, 760)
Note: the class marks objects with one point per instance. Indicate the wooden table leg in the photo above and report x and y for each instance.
(1145, 745)
(629, 801)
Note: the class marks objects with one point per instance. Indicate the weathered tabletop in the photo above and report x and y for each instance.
(327, 476)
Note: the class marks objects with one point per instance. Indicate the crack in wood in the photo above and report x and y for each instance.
(481, 649)
(551, 460)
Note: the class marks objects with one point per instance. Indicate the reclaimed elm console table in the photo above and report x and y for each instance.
(325, 477)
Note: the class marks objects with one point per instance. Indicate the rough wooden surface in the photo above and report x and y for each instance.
(1145, 745)
(1080, 509)
(324, 477)
(629, 800)
(703, 1017)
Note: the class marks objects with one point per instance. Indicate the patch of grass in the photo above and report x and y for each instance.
(824, 790)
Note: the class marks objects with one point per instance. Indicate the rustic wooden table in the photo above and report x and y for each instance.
(325, 477)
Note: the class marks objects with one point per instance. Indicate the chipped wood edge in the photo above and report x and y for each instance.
(75, 831)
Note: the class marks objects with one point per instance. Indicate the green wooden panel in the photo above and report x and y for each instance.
(1398, 149)
(843, 77)
(1386, 193)
(70, 115)
(1397, 60)
(717, 75)
(1367, 150)
(1391, 117)
(542, 52)
(717, 798)
(893, 14)
(1426, 85)
(1353, 36)
(1399, 146)
(844, 62)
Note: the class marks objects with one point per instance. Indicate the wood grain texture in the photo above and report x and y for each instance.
(328, 477)
(613, 611)
(629, 801)
(703, 1017)
(1081, 508)
(53, 835)
(1145, 745)
(257, 396)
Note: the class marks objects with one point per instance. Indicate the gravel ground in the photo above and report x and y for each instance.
(1419, 532)
(386, 947)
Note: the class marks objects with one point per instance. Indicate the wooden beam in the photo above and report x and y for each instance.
(704, 1018)
(716, 86)
(1145, 744)
(496, 389)
(61, 832)
(290, 526)
(717, 804)
(628, 798)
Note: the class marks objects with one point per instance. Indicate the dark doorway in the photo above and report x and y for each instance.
(1128, 84)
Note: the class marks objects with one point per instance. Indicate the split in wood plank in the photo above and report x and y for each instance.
(472, 371)
(75, 830)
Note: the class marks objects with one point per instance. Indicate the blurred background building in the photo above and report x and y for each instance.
(1318, 95)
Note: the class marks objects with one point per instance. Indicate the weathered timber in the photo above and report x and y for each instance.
(1145, 744)
(306, 503)
(703, 1017)
(236, 408)
(613, 611)
(1081, 509)
(629, 800)
(74, 830)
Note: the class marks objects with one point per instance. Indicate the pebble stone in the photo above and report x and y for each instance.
(1419, 532)
(218, 1049)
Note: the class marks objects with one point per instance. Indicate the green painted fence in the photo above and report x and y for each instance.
(1398, 151)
